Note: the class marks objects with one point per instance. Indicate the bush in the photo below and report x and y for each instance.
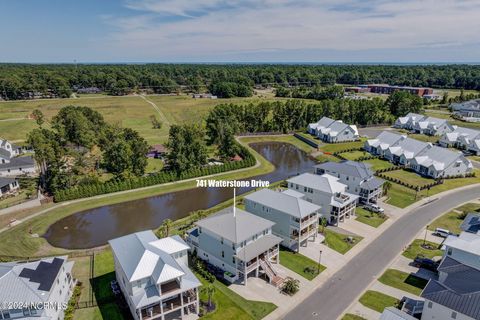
(291, 286)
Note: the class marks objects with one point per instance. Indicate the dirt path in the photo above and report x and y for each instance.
(160, 113)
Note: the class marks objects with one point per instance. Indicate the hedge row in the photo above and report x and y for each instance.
(90, 190)
(410, 186)
(393, 168)
(337, 153)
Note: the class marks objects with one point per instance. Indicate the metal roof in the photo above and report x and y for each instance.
(466, 241)
(235, 228)
(460, 289)
(471, 223)
(325, 182)
(385, 139)
(6, 181)
(257, 247)
(18, 162)
(392, 313)
(350, 168)
(283, 202)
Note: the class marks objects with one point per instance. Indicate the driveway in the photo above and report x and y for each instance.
(345, 286)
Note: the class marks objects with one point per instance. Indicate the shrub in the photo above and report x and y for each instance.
(291, 286)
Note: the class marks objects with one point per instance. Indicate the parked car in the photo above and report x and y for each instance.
(373, 208)
(442, 232)
(425, 263)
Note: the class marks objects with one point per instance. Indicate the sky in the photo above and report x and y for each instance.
(369, 31)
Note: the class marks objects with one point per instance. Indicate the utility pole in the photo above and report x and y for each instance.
(319, 261)
(425, 238)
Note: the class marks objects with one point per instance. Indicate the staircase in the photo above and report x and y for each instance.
(275, 279)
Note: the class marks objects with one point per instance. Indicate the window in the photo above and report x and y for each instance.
(304, 189)
(233, 260)
(430, 304)
(200, 230)
(454, 315)
(221, 240)
(348, 178)
(449, 251)
(223, 254)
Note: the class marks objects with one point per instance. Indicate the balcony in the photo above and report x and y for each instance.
(169, 287)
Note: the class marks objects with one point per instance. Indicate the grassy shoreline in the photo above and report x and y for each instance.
(19, 242)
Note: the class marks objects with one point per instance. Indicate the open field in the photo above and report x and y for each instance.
(377, 301)
(378, 164)
(403, 281)
(128, 111)
(354, 155)
(298, 263)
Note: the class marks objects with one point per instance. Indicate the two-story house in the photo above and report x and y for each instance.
(314, 128)
(46, 282)
(327, 192)
(239, 243)
(357, 176)
(154, 277)
(402, 152)
(296, 220)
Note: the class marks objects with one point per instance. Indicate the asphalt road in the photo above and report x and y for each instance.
(330, 300)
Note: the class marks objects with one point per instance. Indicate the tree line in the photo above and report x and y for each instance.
(22, 81)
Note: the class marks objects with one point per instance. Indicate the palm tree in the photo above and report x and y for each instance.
(291, 286)
(386, 187)
(209, 291)
(166, 226)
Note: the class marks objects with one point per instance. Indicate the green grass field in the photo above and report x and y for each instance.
(424, 138)
(337, 241)
(378, 164)
(336, 147)
(433, 113)
(403, 281)
(415, 249)
(370, 218)
(408, 177)
(354, 155)
(377, 301)
(298, 262)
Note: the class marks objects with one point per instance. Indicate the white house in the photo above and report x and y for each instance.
(357, 176)
(330, 130)
(239, 243)
(437, 162)
(462, 138)
(464, 248)
(296, 220)
(468, 110)
(46, 281)
(409, 121)
(327, 192)
(404, 150)
(379, 145)
(456, 293)
(8, 185)
(18, 166)
(433, 126)
(154, 277)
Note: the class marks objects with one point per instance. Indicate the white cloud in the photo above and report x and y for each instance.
(180, 28)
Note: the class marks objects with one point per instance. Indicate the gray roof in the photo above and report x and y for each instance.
(350, 168)
(5, 153)
(235, 228)
(471, 223)
(32, 281)
(325, 182)
(283, 202)
(18, 162)
(372, 184)
(441, 158)
(6, 181)
(460, 291)
(258, 246)
(392, 313)
(387, 138)
(409, 147)
(472, 105)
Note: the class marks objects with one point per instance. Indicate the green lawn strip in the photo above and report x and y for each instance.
(81, 272)
(370, 218)
(230, 305)
(354, 155)
(17, 241)
(469, 207)
(108, 311)
(415, 249)
(377, 301)
(336, 147)
(327, 158)
(337, 241)
(298, 262)
(310, 137)
(280, 138)
(408, 177)
(403, 281)
(350, 316)
(424, 138)
(378, 164)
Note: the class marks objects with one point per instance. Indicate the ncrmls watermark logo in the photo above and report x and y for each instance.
(47, 305)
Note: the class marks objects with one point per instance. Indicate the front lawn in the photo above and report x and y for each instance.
(354, 155)
(408, 177)
(453, 219)
(338, 242)
(370, 218)
(415, 249)
(230, 305)
(378, 164)
(403, 281)
(298, 263)
(377, 301)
